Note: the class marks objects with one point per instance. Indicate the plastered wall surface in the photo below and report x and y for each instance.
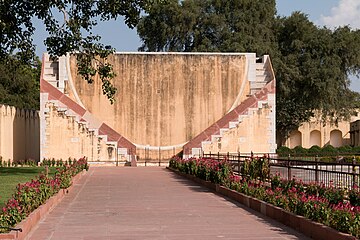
(252, 135)
(66, 137)
(317, 133)
(166, 99)
(19, 134)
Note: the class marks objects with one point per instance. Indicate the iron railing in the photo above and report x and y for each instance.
(338, 174)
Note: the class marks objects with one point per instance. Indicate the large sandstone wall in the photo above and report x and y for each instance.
(166, 99)
(19, 134)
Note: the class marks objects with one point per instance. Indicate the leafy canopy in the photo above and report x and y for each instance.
(69, 24)
(312, 64)
(19, 83)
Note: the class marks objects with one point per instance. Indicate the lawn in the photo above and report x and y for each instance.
(12, 176)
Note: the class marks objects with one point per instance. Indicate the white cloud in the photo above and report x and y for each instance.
(346, 13)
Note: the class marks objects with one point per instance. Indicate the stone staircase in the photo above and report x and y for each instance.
(262, 94)
(53, 84)
(263, 75)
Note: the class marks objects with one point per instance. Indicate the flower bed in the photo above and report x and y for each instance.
(31, 195)
(330, 206)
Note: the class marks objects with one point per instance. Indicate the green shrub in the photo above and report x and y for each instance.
(256, 168)
(31, 195)
(53, 162)
(299, 150)
(329, 150)
(345, 149)
(354, 196)
(315, 149)
(356, 149)
(283, 151)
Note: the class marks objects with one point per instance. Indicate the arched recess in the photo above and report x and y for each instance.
(315, 138)
(336, 139)
(295, 139)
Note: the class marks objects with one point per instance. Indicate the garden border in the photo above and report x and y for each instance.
(31, 221)
(299, 223)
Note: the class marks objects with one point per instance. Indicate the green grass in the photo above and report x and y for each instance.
(10, 177)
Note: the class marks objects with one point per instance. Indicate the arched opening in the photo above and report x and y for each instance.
(336, 139)
(295, 139)
(315, 138)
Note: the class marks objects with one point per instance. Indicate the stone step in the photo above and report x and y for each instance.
(257, 85)
(50, 64)
(260, 65)
(260, 72)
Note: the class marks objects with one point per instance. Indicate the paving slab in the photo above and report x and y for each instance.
(151, 203)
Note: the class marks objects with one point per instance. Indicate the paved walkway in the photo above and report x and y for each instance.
(151, 203)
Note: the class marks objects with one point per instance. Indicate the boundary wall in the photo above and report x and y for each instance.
(317, 133)
(19, 134)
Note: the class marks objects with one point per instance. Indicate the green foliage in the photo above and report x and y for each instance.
(326, 153)
(20, 82)
(69, 26)
(299, 150)
(11, 177)
(354, 196)
(345, 149)
(356, 149)
(312, 72)
(314, 150)
(329, 150)
(207, 169)
(32, 194)
(256, 168)
(283, 151)
(209, 26)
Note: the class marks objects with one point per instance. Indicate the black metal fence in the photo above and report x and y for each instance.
(338, 174)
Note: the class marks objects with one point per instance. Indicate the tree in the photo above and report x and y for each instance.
(69, 24)
(19, 83)
(311, 63)
(312, 73)
(209, 26)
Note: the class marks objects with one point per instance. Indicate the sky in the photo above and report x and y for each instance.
(330, 13)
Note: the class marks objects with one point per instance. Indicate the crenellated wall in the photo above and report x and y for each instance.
(19, 134)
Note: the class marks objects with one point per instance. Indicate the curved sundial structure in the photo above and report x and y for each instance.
(166, 103)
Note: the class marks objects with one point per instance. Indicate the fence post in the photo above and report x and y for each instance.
(46, 170)
(218, 156)
(228, 156)
(268, 163)
(289, 168)
(159, 157)
(353, 172)
(239, 163)
(316, 169)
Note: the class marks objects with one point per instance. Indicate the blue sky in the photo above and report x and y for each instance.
(330, 13)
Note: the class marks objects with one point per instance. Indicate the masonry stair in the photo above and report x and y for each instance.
(262, 90)
(52, 87)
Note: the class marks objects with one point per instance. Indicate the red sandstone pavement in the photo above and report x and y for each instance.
(151, 203)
